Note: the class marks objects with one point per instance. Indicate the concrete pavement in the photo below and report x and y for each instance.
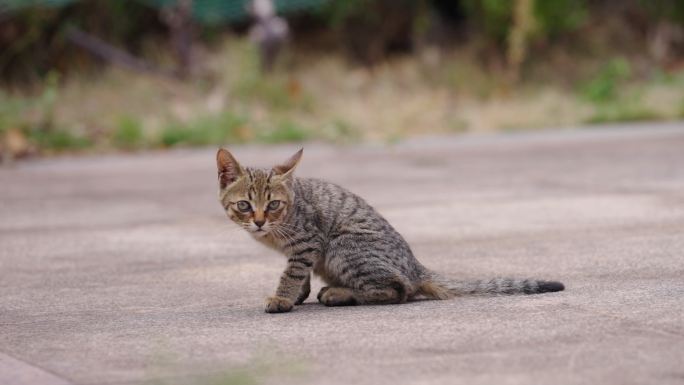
(124, 270)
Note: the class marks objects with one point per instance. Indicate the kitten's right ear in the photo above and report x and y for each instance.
(288, 167)
(229, 170)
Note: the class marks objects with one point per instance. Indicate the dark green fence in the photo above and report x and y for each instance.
(204, 11)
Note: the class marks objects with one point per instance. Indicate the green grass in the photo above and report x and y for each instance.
(340, 131)
(129, 133)
(285, 131)
(605, 86)
(34, 117)
(212, 129)
(275, 91)
(466, 77)
(59, 140)
(10, 113)
(615, 101)
(622, 113)
(227, 128)
(306, 100)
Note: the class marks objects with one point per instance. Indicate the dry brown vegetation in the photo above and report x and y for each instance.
(317, 93)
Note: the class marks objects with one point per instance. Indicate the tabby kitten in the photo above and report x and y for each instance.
(325, 229)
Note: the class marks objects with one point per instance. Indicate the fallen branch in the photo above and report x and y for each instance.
(114, 55)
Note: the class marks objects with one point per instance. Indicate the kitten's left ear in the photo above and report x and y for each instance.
(286, 169)
(229, 170)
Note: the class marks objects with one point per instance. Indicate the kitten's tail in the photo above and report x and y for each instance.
(438, 287)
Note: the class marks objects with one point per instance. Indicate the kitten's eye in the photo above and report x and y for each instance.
(273, 205)
(244, 206)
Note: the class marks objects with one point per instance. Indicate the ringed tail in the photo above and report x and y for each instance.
(439, 287)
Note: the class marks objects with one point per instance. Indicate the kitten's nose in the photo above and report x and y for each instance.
(260, 223)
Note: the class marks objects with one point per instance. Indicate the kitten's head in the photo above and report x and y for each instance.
(256, 199)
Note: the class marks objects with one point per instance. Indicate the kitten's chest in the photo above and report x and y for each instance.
(270, 241)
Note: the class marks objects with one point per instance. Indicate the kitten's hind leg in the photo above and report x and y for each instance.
(380, 296)
(320, 293)
(336, 296)
(342, 296)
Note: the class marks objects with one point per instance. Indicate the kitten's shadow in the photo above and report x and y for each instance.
(316, 303)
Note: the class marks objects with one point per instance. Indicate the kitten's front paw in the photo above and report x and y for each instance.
(278, 305)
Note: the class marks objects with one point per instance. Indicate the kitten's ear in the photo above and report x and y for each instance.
(229, 170)
(286, 169)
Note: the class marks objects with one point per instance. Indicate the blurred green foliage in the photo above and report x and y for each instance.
(11, 111)
(271, 108)
(207, 12)
(555, 17)
(273, 91)
(339, 130)
(494, 16)
(59, 140)
(129, 133)
(34, 42)
(665, 9)
(605, 85)
(34, 118)
(552, 17)
(210, 129)
(337, 11)
(623, 115)
(622, 111)
(285, 131)
(228, 128)
(370, 30)
(610, 97)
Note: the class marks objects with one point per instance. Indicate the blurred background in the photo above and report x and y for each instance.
(122, 75)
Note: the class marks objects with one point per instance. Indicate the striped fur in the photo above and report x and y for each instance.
(326, 230)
